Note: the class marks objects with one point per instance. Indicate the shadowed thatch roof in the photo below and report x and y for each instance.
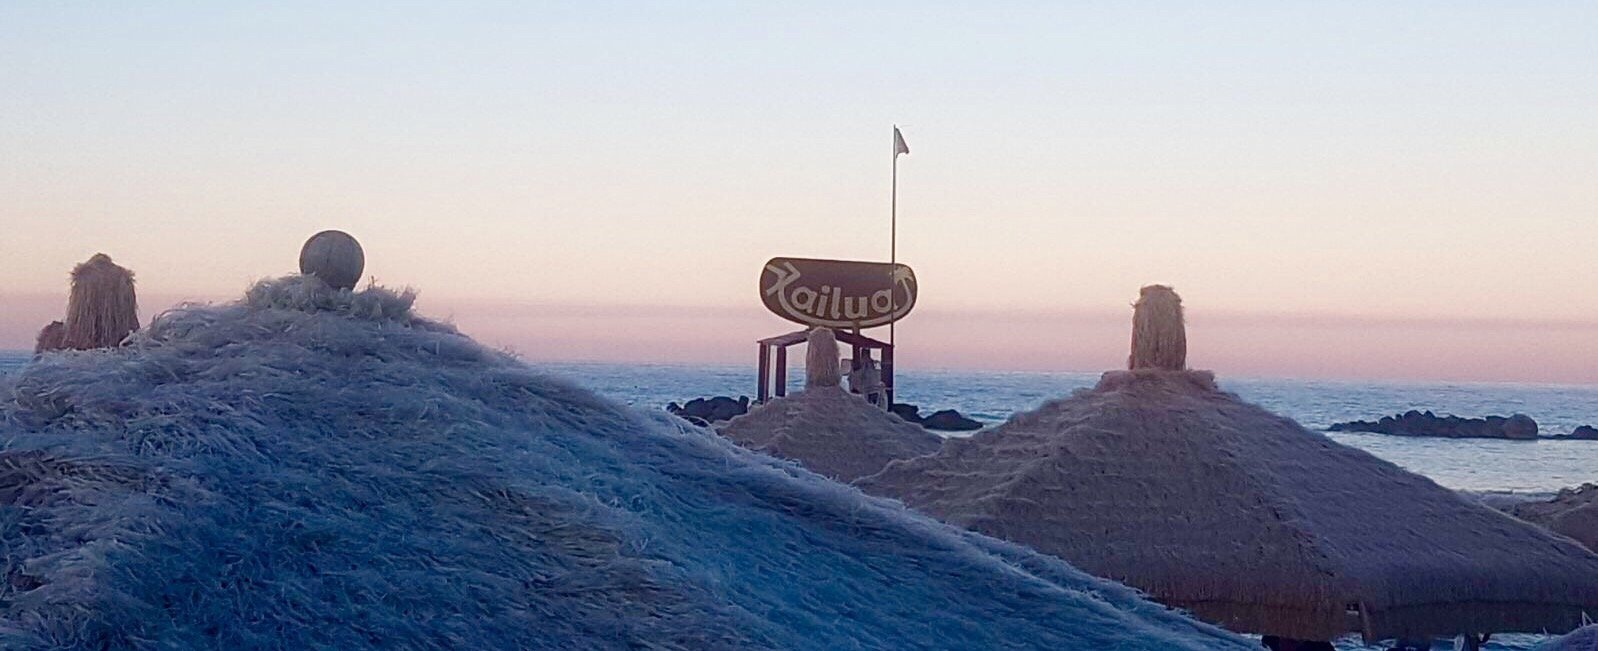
(1158, 479)
(831, 432)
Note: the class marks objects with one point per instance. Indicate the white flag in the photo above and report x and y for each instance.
(898, 143)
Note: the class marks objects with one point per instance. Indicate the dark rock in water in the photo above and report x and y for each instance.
(949, 420)
(1582, 433)
(1518, 427)
(910, 413)
(701, 411)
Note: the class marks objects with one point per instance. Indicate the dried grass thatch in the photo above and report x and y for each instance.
(1581, 639)
(1159, 337)
(821, 359)
(49, 337)
(1162, 481)
(1573, 512)
(831, 432)
(102, 309)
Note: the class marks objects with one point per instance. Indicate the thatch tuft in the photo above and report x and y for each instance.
(1159, 337)
(49, 338)
(102, 309)
(821, 359)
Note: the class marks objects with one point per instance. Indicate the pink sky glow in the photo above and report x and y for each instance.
(1232, 344)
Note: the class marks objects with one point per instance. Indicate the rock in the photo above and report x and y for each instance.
(1573, 512)
(701, 411)
(949, 420)
(1518, 427)
(1581, 433)
(910, 413)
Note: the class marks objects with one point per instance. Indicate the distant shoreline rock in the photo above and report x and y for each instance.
(1582, 433)
(704, 411)
(1518, 427)
(945, 420)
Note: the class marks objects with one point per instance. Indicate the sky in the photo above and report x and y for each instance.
(1356, 190)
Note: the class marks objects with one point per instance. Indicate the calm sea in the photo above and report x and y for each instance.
(990, 396)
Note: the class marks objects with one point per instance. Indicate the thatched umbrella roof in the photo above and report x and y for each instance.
(1158, 479)
(1582, 639)
(826, 429)
(1573, 512)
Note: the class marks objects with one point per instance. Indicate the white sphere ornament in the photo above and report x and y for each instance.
(334, 257)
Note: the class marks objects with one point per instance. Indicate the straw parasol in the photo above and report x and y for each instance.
(1573, 512)
(1160, 480)
(826, 429)
(1582, 639)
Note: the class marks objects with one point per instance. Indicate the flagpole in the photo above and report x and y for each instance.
(893, 246)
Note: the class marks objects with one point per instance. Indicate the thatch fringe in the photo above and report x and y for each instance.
(49, 338)
(821, 359)
(102, 309)
(1159, 337)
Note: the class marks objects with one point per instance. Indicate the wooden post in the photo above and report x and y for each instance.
(887, 373)
(782, 371)
(763, 386)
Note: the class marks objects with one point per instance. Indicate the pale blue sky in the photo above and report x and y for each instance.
(1355, 160)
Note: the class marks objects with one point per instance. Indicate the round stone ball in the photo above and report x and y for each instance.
(334, 257)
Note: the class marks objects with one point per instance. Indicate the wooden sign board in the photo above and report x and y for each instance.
(840, 294)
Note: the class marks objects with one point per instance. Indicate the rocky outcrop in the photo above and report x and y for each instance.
(949, 420)
(702, 411)
(945, 420)
(1582, 433)
(1573, 512)
(1518, 427)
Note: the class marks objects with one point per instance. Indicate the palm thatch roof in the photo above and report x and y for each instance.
(831, 432)
(1158, 479)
